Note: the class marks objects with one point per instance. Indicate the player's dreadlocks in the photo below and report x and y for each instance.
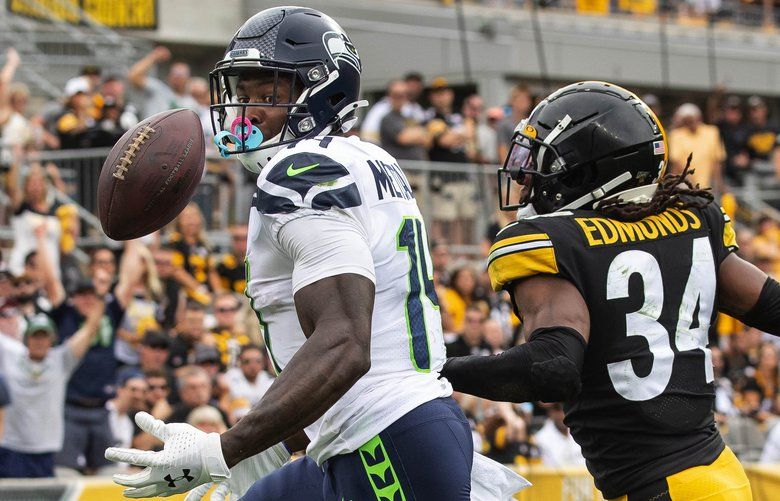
(674, 191)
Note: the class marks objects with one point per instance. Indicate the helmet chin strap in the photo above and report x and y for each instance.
(254, 161)
(639, 195)
(598, 193)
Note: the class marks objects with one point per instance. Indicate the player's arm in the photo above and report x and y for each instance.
(334, 298)
(80, 342)
(51, 284)
(749, 294)
(547, 367)
(137, 73)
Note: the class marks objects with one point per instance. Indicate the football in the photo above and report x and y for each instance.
(150, 174)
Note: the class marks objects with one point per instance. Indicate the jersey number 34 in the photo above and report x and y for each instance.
(689, 334)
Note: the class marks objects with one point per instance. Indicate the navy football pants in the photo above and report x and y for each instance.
(426, 455)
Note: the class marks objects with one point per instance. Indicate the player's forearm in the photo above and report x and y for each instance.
(80, 342)
(545, 368)
(320, 373)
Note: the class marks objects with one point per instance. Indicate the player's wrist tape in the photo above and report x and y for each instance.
(546, 368)
(213, 459)
(765, 315)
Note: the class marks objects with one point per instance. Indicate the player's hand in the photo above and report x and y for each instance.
(189, 458)
(161, 54)
(243, 475)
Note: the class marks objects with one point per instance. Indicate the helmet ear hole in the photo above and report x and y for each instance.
(336, 99)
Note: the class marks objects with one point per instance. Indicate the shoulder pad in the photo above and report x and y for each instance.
(520, 250)
(306, 180)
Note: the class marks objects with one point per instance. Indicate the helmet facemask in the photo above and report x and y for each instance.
(530, 162)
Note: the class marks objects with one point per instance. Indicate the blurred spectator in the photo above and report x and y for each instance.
(166, 272)
(766, 374)
(556, 445)
(156, 95)
(37, 372)
(724, 391)
(5, 399)
(744, 433)
(703, 141)
(92, 384)
(452, 194)
(471, 340)
(508, 446)
(445, 126)
(460, 294)
(207, 419)
(153, 353)
(190, 332)
(77, 126)
(34, 211)
(520, 102)
(207, 357)
(195, 390)
(402, 136)
(14, 131)
(440, 261)
(735, 134)
(493, 335)
(227, 334)
(228, 272)
(370, 128)
(158, 394)
(201, 94)
(117, 115)
(481, 144)
(142, 310)
(771, 451)
(191, 254)
(130, 398)
(762, 138)
(250, 380)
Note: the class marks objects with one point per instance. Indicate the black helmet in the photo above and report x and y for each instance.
(584, 142)
(323, 69)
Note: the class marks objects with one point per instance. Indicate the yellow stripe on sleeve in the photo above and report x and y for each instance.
(517, 240)
(729, 236)
(522, 264)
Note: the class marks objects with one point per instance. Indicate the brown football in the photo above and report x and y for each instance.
(150, 174)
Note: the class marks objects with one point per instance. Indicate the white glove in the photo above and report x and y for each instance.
(491, 481)
(243, 475)
(189, 458)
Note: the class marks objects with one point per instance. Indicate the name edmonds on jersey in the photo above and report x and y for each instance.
(647, 381)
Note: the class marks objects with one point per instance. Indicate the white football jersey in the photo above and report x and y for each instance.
(334, 177)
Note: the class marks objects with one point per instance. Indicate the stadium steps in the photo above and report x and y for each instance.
(52, 51)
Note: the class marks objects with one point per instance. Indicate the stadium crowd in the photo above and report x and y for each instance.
(160, 324)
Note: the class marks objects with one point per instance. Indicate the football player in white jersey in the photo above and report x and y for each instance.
(339, 275)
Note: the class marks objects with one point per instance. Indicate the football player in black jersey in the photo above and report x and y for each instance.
(618, 271)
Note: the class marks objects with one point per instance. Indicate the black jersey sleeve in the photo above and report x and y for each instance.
(519, 251)
(722, 235)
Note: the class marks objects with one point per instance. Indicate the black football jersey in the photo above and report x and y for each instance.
(646, 406)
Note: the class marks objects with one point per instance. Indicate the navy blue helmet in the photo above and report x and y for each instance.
(298, 47)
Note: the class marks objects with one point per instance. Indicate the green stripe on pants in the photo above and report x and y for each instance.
(380, 471)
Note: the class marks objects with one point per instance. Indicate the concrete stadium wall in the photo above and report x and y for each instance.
(398, 36)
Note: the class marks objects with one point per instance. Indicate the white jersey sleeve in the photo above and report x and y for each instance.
(325, 244)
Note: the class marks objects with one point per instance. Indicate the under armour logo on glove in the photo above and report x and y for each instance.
(185, 473)
(197, 455)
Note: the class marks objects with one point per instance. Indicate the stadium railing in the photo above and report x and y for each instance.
(458, 201)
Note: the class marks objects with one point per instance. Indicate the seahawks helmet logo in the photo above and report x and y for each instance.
(341, 49)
